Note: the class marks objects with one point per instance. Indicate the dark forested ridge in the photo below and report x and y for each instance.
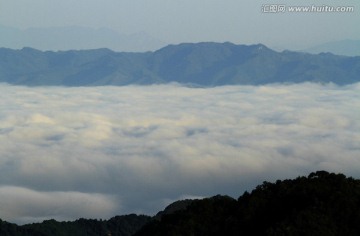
(200, 64)
(117, 226)
(320, 204)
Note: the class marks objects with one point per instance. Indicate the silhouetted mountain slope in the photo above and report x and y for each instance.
(173, 207)
(320, 204)
(203, 64)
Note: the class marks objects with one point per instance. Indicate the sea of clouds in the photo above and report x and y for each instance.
(98, 152)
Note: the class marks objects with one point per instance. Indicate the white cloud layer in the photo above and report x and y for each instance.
(96, 152)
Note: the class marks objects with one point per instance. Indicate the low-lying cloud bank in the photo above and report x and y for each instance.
(26, 205)
(96, 152)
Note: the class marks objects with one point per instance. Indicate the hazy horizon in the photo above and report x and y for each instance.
(116, 41)
(173, 22)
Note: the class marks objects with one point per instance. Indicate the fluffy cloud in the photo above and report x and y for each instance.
(131, 149)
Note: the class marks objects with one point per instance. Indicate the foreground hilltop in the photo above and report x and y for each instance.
(320, 204)
(198, 64)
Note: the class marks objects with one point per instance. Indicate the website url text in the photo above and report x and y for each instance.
(281, 8)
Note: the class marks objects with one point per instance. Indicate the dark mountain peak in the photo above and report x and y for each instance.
(173, 207)
(29, 49)
(210, 46)
(261, 48)
(188, 47)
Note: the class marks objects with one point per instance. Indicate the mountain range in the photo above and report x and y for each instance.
(196, 64)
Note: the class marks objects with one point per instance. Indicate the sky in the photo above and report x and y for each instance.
(176, 21)
(97, 152)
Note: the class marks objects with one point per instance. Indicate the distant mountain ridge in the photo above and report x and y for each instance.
(70, 37)
(344, 47)
(199, 64)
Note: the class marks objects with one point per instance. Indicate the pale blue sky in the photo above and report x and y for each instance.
(175, 21)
